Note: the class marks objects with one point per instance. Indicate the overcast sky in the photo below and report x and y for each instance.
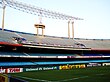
(96, 15)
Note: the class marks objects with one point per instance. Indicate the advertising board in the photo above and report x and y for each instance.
(105, 64)
(14, 70)
(3, 70)
(72, 66)
(93, 64)
(41, 68)
(11, 70)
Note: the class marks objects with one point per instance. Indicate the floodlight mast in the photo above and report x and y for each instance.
(37, 11)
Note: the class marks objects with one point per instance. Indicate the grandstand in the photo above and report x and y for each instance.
(95, 43)
(23, 39)
(20, 44)
(14, 37)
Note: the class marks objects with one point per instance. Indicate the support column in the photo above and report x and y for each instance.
(73, 29)
(3, 18)
(37, 31)
(69, 29)
(40, 26)
(42, 31)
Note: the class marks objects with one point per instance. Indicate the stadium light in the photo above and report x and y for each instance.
(38, 11)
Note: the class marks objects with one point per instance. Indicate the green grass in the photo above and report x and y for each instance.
(94, 74)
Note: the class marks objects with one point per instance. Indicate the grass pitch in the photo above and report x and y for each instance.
(93, 74)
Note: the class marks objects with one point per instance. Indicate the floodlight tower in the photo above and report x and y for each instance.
(39, 11)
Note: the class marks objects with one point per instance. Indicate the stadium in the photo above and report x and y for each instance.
(27, 57)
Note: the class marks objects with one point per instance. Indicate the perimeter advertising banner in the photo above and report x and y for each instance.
(94, 64)
(3, 70)
(41, 68)
(14, 70)
(71, 66)
(11, 70)
(105, 64)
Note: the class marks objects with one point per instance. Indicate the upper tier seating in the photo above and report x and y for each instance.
(95, 43)
(11, 36)
(32, 39)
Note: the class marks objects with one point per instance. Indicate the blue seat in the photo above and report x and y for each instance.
(15, 63)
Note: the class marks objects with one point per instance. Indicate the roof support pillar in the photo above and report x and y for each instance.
(3, 15)
(69, 29)
(73, 29)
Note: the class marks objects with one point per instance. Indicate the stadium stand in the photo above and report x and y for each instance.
(36, 50)
(27, 38)
(7, 36)
(95, 43)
